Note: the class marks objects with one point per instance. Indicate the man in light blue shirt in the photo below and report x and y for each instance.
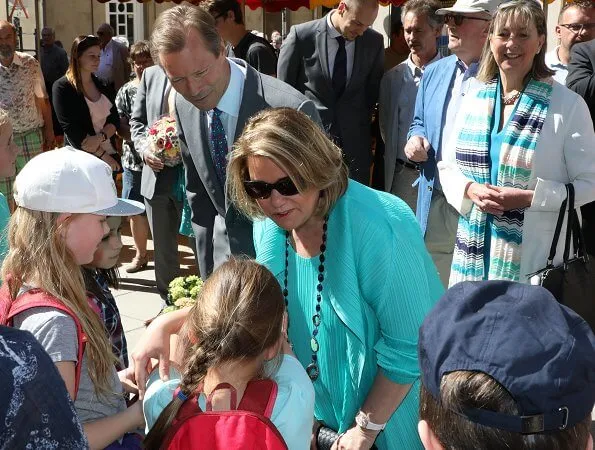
(398, 89)
(576, 23)
(443, 86)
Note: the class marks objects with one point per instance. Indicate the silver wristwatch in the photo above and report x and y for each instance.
(364, 422)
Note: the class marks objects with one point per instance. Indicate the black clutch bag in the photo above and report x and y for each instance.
(573, 281)
(326, 437)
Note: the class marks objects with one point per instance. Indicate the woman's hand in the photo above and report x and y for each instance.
(155, 343)
(485, 197)
(91, 143)
(111, 162)
(355, 439)
(513, 198)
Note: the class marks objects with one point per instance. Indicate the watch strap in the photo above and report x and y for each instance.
(364, 422)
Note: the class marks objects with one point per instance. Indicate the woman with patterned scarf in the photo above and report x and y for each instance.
(523, 137)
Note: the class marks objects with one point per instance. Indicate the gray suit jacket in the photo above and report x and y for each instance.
(120, 65)
(303, 63)
(232, 233)
(148, 107)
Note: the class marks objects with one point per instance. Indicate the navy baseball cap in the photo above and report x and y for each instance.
(540, 351)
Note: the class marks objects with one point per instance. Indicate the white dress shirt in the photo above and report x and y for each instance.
(229, 103)
(333, 46)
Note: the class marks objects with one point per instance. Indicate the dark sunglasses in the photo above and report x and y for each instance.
(261, 190)
(458, 19)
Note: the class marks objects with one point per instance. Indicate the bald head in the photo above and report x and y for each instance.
(8, 42)
(4, 25)
(48, 36)
(105, 33)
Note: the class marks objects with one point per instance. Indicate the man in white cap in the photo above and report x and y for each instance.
(436, 107)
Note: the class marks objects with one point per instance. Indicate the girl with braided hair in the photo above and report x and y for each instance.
(235, 333)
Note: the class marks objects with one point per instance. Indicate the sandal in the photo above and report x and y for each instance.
(137, 264)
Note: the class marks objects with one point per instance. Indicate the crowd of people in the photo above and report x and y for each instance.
(394, 318)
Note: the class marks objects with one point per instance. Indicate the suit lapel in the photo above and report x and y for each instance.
(163, 89)
(322, 46)
(252, 100)
(449, 74)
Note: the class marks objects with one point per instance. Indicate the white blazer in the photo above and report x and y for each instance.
(565, 152)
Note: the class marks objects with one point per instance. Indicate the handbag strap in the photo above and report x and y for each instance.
(557, 231)
(578, 237)
(569, 222)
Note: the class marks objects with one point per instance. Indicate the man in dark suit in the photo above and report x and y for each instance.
(581, 79)
(337, 62)
(217, 97)
(158, 182)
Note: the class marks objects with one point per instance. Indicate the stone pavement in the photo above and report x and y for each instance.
(137, 297)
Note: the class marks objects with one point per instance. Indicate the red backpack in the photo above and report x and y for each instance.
(247, 427)
(35, 298)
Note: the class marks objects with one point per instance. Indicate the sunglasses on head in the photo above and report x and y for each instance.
(261, 190)
(458, 18)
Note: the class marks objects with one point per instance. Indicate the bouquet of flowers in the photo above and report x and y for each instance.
(163, 135)
(182, 292)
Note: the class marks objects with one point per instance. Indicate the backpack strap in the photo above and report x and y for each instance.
(36, 298)
(259, 397)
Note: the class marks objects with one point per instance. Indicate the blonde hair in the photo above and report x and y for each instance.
(522, 13)
(238, 315)
(38, 255)
(299, 147)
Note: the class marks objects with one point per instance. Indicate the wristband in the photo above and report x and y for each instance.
(363, 421)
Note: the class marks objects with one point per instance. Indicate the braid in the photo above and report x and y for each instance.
(194, 372)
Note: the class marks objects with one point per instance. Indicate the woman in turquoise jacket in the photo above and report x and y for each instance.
(357, 278)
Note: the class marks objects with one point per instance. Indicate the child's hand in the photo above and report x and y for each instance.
(128, 382)
(136, 410)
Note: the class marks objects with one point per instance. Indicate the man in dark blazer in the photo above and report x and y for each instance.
(581, 79)
(158, 182)
(337, 62)
(217, 95)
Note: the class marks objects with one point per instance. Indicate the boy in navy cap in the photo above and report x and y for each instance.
(505, 366)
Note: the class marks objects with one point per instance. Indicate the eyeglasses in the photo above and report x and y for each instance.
(261, 190)
(578, 27)
(458, 19)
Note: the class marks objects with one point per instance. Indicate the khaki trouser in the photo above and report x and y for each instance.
(402, 185)
(441, 233)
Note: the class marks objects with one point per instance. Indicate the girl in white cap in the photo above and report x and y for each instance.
(63, 198)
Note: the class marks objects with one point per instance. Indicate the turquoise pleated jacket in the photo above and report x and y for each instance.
(379, 284)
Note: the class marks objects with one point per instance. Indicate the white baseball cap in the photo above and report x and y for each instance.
(488, 7)
(67, 180)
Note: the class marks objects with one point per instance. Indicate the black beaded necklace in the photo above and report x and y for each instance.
(312, 370)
